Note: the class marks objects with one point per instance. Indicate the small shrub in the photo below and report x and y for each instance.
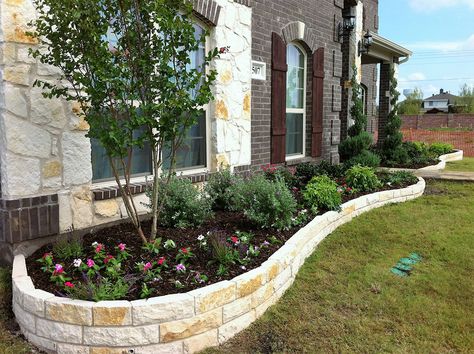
(321, 194)
(439, 149)
(184, 206)
(353, 146)
(401, 178)
(68, 248)
(102, 290)
(287, 174)
(362, 178)
(365, 158)
(330, 170)
(266, 203)
(305, 171)
(217, 188)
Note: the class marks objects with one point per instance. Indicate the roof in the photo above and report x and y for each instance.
(384, 49)
(445, 96)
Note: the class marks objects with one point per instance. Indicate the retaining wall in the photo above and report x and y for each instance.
(182, 323)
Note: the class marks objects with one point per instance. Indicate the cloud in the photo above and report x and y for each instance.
(433, 5)
(467, 44)
(416, 77)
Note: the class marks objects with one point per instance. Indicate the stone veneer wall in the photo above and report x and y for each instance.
(183, 323)
(44, 151)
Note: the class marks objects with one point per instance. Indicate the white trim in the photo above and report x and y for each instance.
(299, 110)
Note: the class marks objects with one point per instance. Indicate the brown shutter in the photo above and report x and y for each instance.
(279, 69)
(318, 95)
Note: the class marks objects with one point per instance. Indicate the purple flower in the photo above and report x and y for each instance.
(180, 268)
(58, 269)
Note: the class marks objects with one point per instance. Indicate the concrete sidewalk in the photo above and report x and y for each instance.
(446, 175)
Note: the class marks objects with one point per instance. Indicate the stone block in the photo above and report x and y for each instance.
(52, 169)
(42, 343)
(112, 313)
(15, 102)
(19, 267)
(65, 310)
(230, 329)
(121, 336)
(249, 282)
(271, 268)
(262, 294)
(77, 160)
(26, 139)
(181, 329)
(106, 208)
(64, 348)
(45, 111)
(24, 56)
(34, 301)
(200, 342)
(213, 296)
(165, 348)
(236, 308)
(282, 278)
(162, 309)
(54, 330)
(18, 74)
(20, 285)
(262, 308)
(24, 318)
(285, 255)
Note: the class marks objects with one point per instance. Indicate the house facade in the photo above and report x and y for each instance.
(281, 96)
(444, 102)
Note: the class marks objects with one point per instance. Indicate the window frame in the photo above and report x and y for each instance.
(299, 110)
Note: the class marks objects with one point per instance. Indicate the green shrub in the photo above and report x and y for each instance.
(287, 174)
(305, 171)
(439, 149)
(217, 188)
(321, 194)
(184, 206)
(401, 178)
(365, 158)
(354, 146)
(266, 203)
(362, 178)
(68, 248)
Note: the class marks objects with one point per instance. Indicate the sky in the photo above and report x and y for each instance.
(440, 33)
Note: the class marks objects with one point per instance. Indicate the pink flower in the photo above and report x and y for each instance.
(235, 240)
(185, 250)
(161, 260)
(121, 246)
(69, 284)
(147, 267)
(90, 263)
(108, 258)
(180, 268)
(99, 248)
(58, 269)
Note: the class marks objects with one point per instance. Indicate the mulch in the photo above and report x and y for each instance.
(223, 223)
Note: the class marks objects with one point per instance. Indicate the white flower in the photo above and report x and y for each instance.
(77, 263)
(200, 237)
(95, 244)
(243, 268)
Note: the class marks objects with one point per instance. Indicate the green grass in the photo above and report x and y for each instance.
(9, 340)
(346, 300)
(465, 165)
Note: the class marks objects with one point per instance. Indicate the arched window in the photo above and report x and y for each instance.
(295, 101)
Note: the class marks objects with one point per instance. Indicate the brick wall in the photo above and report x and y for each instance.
(321, 21)
(432, 121)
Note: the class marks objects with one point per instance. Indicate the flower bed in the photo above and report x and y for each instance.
(185, 322)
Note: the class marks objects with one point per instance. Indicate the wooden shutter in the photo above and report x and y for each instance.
(278, 129)
(318, 95)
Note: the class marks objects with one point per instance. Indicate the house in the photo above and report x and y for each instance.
(282, 96)
(443, 102)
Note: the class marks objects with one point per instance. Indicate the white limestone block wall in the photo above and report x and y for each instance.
(232, 105)
(43, 144)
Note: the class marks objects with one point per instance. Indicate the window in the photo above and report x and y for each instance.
(101, 169)
(193, 151)
(295, 101)
(363, 93)
(191, 154)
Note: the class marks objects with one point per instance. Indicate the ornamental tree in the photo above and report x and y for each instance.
(127, 62)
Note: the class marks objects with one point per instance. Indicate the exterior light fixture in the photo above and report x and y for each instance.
(348, 22)
(365, 43)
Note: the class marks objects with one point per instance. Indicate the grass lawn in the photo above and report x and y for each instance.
(465, 165)
(346, 300)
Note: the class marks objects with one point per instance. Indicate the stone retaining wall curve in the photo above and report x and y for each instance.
(181, 323)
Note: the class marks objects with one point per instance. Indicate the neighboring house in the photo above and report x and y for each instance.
(443, 102)
(281, 96)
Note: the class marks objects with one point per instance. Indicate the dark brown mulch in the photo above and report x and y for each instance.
(415, 166)
(224, 224)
